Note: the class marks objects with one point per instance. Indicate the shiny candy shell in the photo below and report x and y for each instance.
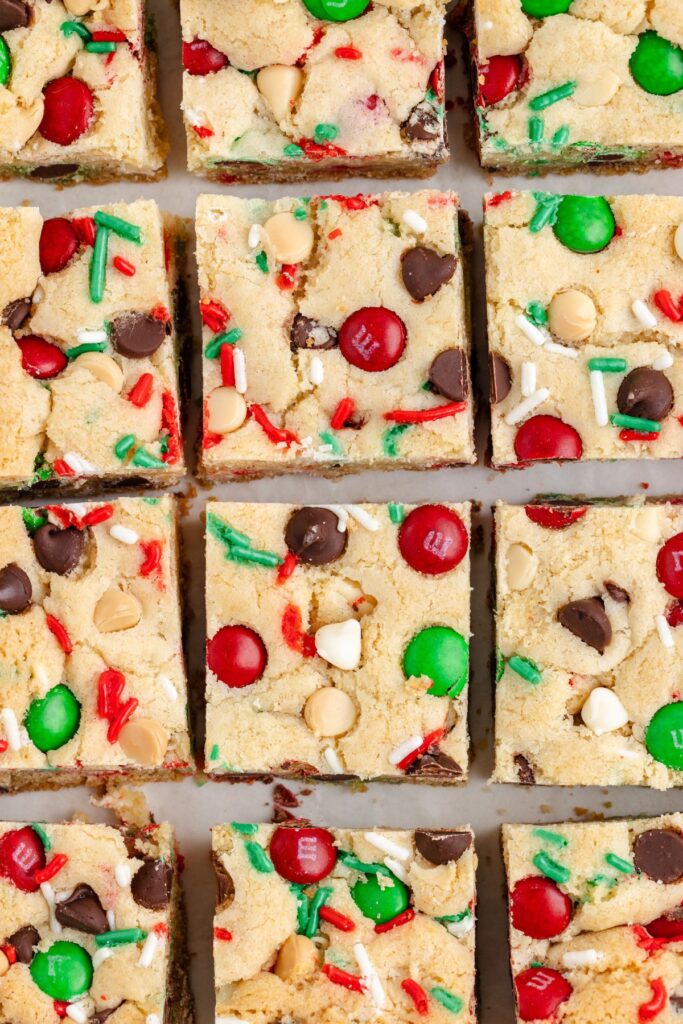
(547, 437)
(545, 8)
(21, 855)
(441, 654)
(657, 65)
(237, 656)
(499, 77)
(670, 565)
(54, 719)
(372, 339)
(69, 110)
(40, 358)
(380, 901)
(63, 972)
(303, 855)
(584, 224)
(539, 908)
(58, 244)
(336, 10)
(540, 991)
(664, 736)
(201, 58)
(433, 539)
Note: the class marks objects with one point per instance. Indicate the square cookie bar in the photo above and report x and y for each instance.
(595, 922)
(88, 348)
(91, 925)
(336, 334)
(92, 677)
(78, 92)
(559, 84)
(321, 925)
(338, 641)
(585, 326)
(303, 90)
(589, 612)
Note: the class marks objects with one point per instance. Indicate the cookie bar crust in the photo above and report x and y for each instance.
(93, 683)
(342, 324)
(595, 924)
(318, 924)
(585, 334)
(557, 86)
(338, 641)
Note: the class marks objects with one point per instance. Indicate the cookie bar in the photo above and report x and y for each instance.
(322, 925)
(335, 334)
(78, 91)
(88, 348)
(588, 620)
(338, 641)
(559, 84)
(313, 89)
(92, 678)
(585, 326)
(91, 925)
(595, 922)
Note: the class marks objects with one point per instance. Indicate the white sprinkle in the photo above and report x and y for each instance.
(387, 845)
(124, 534)
(61, 897)
(528, 379)
(405, 748)
(397, 868)
(111, 920)
(79, 465)
(194, 117)
(663, 362)
(581, 958)
(78, 509)
(487, 25)
(254, 238)
(168, 687)
(123, 875)
(87, 335)
(240, 368)
(100, 955)
(532, 332)
(461, 928)
(642, 313)
(517, 414)
(599, 398)
(81, 1011)
(370, 975)
(49, 897)
(341, 512)
(333, 761)
(362, 517)
(41, 677)
(9, 721)
(153, 1018)
(561, 350)
(316, 371)
(416, 223)
(664, 630)
(148, 950)
(38, 295)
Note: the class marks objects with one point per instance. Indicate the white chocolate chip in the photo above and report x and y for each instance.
(17, 122)
(280, 85)
(116, 610)
(572, 315)
(647, 525)
(596, 87)
(290, 239)
(226, 410)
(603, 711)
(145, 741)
(329, 712)
(339, 643)
(103, 368)
(80, 7)
(522, 565)
(298, 958)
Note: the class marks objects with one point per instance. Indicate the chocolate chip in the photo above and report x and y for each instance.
(525, 772)
(435, 764)
(58, 550)
(587, 619)
(83, 911)
(424, 271)
(313, 535)
(422, 124)
(151, 885)
(15, 589)
(15, 314)
(658, 853)
(13, 14)
(500, 377)
(299, 769)
(617, 593)
(54, 171)
(646, 393)
(24, 941)
(102, 1015)
(224, 884)
(442, 847)
(676, 1003)
(308, 333)
(137, 335)
(448, 374)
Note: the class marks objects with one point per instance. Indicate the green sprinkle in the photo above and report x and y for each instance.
(301, 907)
(619, 864)
(242, 554)
(454, 918)
(124, 445)
(42, 470)
(89, 346)
(550, 868)
(500, 664)
(617, 419)
(293, 150)
(327, 437)
(215, 752)
(223, 532)
(120, 937)
(536, 130)
(98, 264)
(75, 28)
(101, 46)
(608, 364)
(537, 313)
(390, 439)
(561, 137)
(325, 133)
(42, 835)
(214, 347)
(245, 828)
(262, 261)
(258, 858)
(397, 513)
(320, 897)
(551, 837)
(146, 460)
(349, 860)
(122, 228)
(33, 519)
(5, 62)
(601, 880)
(546, 210)
(430, 95)
(448, 1000)
(546, 99)
(300, 213)
(526, 668)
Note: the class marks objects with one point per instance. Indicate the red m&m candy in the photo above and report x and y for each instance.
(40, 358)
(237, 655)
(666, 927)
(372, 339)
(201, 58)
(540, 990)
(58, 243)
(498, 77)
(69, 110)
(555, 517)
(433, 539)
(547, 437)
(539, 908)
(670, 565)
(303, 855)
(21, 855)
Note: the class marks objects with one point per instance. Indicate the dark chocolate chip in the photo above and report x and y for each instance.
(435, 764)
(422, 124)
(448, 374)
(646, 393)
(525, 772)
(424, 271)
(15, 589)
(137, 335)
(588, 620)
(308, 333)
(224, 884)
(300, 769)
(13, 14)
(58, 550)
(151, 885)
(54, 171)
(102, 1015)
(442, 847)
(500, 376)
(658, 853)
(617, 593)
(16, 313)
(83, 911)
(676, 1003)
(24, 942)
(313, 535)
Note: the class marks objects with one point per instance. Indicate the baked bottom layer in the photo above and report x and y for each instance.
(240, 171)
(331, 471)
(597, 160)
(57, 778)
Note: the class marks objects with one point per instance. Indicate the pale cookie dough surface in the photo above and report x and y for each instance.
(355, 262)
(612, 952)
(545, 730)
(592, 42)
(264, 726)
(67, 426)
(529, 269)
(265, 914)
(117, 866)
(131, 553)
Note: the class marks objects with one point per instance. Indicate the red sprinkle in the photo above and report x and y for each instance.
(203, 131)
(348, 53)
(97, 515)
(343, 978)
(286, 279)
(342, 413)
(498, 198)
(86, 229)
(64, 515)
(214, 315)
(151, 556)
(169, 423)
(645, 941)
(417, 994)
(336, 233)
(316, 151)
(657, 1002)
(110, 687)
(396, 922)
(436, 80)
(674, 614)
(122, 715)
(357, 202)
(430, 739)
(10, 952)
(222, 934)
(161, 313)
(60, 634)
(637, 435)
(210, 440)
(425, 415)
(667, 305)
(60, 1008)
(160, 928)
(51, 869)
(285, 570)
(109, 36)
(273, 433)
(293, 634)
(62, 468)
(227, 362)
(124, 266)
(4, 746)
(141, 392)
(337, 920)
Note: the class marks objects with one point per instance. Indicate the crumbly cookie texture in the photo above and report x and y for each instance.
(588, 627)
(292, 91)
(335, 334)
(88, 347)
(92, 678)
(91, 925)
(595, 921)
(563, 83)
(585, 326)
(326, 925)
(78, 92)
(338, 641)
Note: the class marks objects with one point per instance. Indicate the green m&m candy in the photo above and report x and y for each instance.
(52, 721)
(544, 8)
(63, 972)
(380, 897)
(657, 65)
(584, 223)
(441, 654)
(336, 10)
(5, 62)
(664, 735)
